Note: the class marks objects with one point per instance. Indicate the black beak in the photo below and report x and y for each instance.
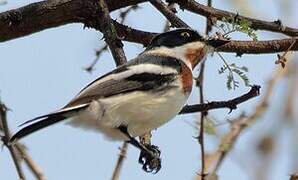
(216, 42)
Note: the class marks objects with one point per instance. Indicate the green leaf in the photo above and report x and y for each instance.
(209, 127)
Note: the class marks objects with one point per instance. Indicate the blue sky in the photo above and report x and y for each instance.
(42, 72)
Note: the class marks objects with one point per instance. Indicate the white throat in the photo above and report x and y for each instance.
(179, 52)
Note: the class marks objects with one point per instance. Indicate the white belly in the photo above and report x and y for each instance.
(140, 112)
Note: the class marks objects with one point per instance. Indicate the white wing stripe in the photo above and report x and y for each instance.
(135, 69)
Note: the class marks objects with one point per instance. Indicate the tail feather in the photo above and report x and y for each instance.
(44, 121)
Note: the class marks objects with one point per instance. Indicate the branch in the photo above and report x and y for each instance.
(35, 169)
(47, 14)
(239, 47)
(107, 27)
(260, 47)
(168, 13)
(5, 140)
(43, 15)
(120, 160)
(209, 12)
(231, 104)
(134, 35)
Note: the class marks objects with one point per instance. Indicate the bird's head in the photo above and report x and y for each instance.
(185, 44)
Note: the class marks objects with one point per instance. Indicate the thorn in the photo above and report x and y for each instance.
(230, 111)
(239, 54)
(278, 22)
(236, 18)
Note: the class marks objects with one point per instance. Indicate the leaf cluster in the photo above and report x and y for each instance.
(228, 26)
(232, 69)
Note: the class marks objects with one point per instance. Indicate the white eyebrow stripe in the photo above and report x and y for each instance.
(134, 69)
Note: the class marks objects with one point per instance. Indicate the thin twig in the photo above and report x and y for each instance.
(204, 113)
(35, 169)
(229, 68)
(5, 140)
(282, 58)
(98, 53)
(124, 14)
(120, 160)
(202, 117)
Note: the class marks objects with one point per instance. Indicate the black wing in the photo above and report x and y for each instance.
(125, 80)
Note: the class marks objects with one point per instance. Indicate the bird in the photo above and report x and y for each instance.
(136, 97)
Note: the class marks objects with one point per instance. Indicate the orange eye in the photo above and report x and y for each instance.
(185, 34)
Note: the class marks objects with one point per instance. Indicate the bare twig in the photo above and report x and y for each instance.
(35, 169)
(282, 58)
(123, 14)
(120, 160)
(168, 13)
(203, 113)
(202, 118)
(98, 53)
(5, 140)
(230, 104)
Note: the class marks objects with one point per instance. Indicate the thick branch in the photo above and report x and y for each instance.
(239, 47)
(42, 15)
(47, 14)
(231, 104)
(110, 34)
(134, 35)
(163, 8)
(210, 12)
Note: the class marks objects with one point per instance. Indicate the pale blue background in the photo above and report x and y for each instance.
(42, 72)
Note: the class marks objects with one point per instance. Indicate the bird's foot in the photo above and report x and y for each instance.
(150, 159)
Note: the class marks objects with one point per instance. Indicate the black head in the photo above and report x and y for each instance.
(179, 37)
(175, 38)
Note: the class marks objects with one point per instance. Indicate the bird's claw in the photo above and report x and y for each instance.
(150, 160)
